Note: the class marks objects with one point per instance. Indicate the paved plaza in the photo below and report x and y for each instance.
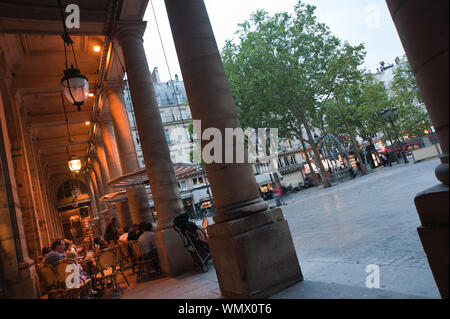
(337, 232)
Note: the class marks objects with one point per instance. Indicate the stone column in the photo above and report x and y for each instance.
(423, 30)
(137, 196)
(96, 190)
(103, 166)
(251, 246)
(105, 190)
(98, 177)
(173, 256)
(110, 159)
(17, 268)
(90, 186)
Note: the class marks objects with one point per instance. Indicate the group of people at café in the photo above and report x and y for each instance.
(84, 254)
(143, 233)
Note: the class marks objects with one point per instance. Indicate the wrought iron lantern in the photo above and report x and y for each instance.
(74, 165)
(75, 84)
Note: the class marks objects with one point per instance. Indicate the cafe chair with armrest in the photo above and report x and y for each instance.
(48, 281)
(146, 266)
(107, 270)
(62, 269)
(119, 265)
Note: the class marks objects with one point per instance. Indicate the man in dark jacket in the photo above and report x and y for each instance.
(111, 233)
(134, 232)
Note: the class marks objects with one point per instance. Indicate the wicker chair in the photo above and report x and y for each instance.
(127, 257)
(106, 261)
(119, 267)
(62, 274)
(48, 281)
(145, 265)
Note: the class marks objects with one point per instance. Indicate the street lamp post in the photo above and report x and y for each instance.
(207, 188)
(389, 114)
(392, 143)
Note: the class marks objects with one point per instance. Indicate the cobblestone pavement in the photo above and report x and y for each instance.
(372, 219)
(337, 232)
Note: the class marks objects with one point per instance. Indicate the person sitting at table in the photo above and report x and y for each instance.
(100, 243)
(133, 234)
(57, 253)
(141, 228)
(147, 241)
(73, 258)
(86, 256)
(124, 236)
(86, 250)
(70, 247)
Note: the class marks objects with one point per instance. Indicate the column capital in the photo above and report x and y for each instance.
(98, 141)
(129, 30)
(114, 86)
(105, 119)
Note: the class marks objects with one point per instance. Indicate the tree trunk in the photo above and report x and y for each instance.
(273, 172)
(358, 154)
(313, 174)
(353, 140)
(326, 182)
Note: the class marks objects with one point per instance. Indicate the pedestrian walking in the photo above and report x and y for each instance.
(277, 194)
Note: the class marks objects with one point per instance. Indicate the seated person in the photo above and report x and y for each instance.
(133, 234)
(124, 236)
(72, 257)
(86, 250)
(141, 228)
(147, 241)
(193, 232)
(70, 247)
(99, 243)
(86, 254)
(57, 252)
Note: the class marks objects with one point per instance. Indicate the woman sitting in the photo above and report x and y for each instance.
(86, 256)
(86, 250)
(73, 258)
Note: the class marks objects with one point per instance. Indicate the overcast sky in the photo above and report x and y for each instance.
(357, 21)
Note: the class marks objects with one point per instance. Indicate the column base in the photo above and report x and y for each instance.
(22, 284)
(254, 256)
(433, 209)
(174, 258)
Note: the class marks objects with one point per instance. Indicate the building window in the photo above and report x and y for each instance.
(189, 137)
(163, 116)
(166, 132)
(184, 114)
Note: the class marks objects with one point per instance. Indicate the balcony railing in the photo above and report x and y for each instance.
(174, 119)
(290, 168)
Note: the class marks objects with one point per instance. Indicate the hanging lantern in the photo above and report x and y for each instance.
(75, 165)
(76, 86)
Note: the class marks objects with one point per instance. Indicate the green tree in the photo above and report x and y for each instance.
(283, 70)
(413, 118)
(357, 108)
